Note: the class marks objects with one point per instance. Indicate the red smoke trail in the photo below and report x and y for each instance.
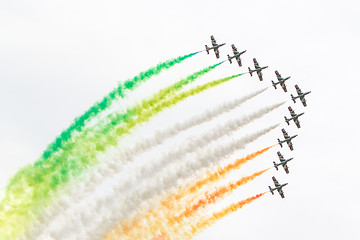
(161, 236)
(209, 220)
(149, 223)
(213, 197)
(214, 176)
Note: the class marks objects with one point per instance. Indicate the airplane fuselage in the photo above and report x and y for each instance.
(295, 117)
(258, 70)
(216, 46)
(281, 186)
(282, 80)
(302, 95)
(261, 68)
(238, 54)
(283, 162)
(286, 161)
(278, 188)
(288, 140)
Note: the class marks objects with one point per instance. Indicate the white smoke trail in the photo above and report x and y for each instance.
(110, 168)
(142, 196)
(161, 136)
(146, 171)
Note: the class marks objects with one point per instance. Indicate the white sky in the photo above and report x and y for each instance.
(58, 57)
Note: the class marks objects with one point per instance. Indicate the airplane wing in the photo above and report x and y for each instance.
(256, 63)
(297, 122)
(281, 157)
(286, 168)
(275, 182)
(303, 101)
(278, 75)
(292, 112)
(235, 51)
(260, 75)
(290, 145)
(217, 53)
(298, 90)
(213, 41)
(283, 86)
(286, 135)
(281, 193)
(239, 61)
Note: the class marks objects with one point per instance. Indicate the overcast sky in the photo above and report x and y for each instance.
(58, 57)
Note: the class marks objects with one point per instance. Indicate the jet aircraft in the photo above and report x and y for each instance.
(283, 162)
(281, 81)
(278, 187)
(236, 55)
(215, 47)
(294, 117)
(300, 95)
(287, 139)
(257, 69)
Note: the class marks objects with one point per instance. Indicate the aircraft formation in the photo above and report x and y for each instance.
(294, 117)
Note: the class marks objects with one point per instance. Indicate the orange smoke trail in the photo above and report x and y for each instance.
(150, 221)
(212, 177)
(207, 221)
(161, 236)
(213, 197)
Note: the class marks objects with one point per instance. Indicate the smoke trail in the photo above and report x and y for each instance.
(205, 222)
(161, 136)
(139, 197)
(170, 102)
(221, 172)
(220, 193)
(119, 91)
(148, 171)
(167, 218)
(174, 203)
(35, 184)
(109, 169)
(161, 236)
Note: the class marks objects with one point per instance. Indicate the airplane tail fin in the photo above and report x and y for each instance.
(250, 71)
(271, 190)
(293, 98)
(229, 59)
(276, 167)
(279, 142)
(286, 120)
(273, 84)
(207, 49)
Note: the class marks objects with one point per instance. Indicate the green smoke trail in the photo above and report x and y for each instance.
(32, 193)
(88, 149)
(119, 91)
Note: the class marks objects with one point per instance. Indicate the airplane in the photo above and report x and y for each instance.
(287, 139)
(278, 187)
(236, 55)
(300, 95)
(281, 81)
(215, 47)
(294, 117)
(257, 69)
(283, 162)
